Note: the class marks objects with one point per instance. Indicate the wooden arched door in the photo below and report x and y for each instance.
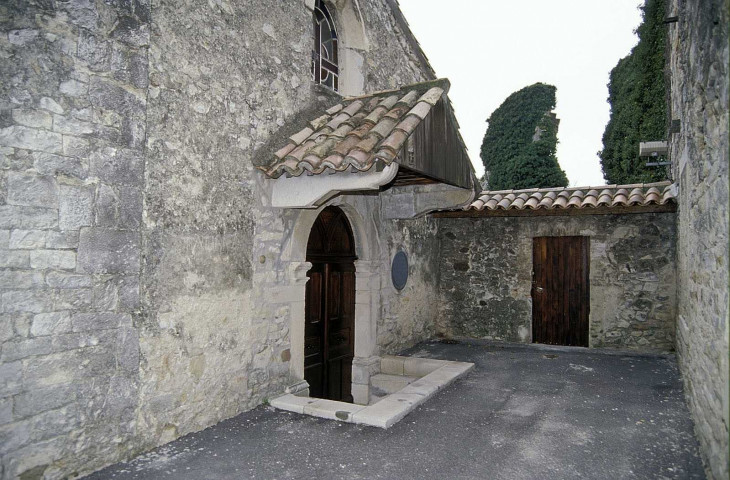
(329, 334)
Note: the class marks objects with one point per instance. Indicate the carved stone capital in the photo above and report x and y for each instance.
(298, 272)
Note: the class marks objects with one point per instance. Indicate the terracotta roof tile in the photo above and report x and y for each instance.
(335, 109)
(362, 131)
(420, 110)
(357, 132)
(346, 145)
(368, 143)
(386, 155)
(341, 131)
(397, 112)
(384, 127)
(409, 98)
(302, 135)
(353, 108)
(394, 141)
(319, 122)
(284, 151)
(334, 161)
(660, 193)
(357, 119)
(338, 120)
(357, 158)
(376, 114)
(299, 152)
(432, 96)
(389, 102)
(409, 124)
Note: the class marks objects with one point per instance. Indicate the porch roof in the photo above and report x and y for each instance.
(373, 130)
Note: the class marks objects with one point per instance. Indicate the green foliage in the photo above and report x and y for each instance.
(512, 159)
(636, 92)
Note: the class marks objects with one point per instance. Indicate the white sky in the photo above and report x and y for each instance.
(489, 49)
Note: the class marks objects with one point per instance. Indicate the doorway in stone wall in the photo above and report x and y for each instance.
(329, 329)
(560, 295)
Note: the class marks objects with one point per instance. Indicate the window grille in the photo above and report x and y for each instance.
(325, 70)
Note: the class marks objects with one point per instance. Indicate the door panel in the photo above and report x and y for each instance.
(330, 307)
(560, 291)
(313, 338)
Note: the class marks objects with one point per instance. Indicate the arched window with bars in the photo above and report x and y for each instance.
(325, 68)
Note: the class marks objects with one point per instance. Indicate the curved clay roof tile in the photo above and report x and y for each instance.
(344, 147)
(574, 202)
(432, 96)
(504, 204)
(378, 113)
(358, 159)
(606, 191)
(560, 202)
(636, 199)
(577, 193)
(546, 202)
(335, 160)
(385, 155)
(589, 202)
(409, 98)
(604, 199)
(532, 203)
(619, 199)
(389, 102)
(636, 191)
(299, 152)
(478, 205)
(284, 151)
(352, 108)
(652, 198)
(491, 204)
(519, 202)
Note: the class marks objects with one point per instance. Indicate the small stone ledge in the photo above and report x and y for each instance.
(434, 376)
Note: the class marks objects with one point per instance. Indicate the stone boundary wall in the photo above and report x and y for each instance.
(698, 67)
(486, 275)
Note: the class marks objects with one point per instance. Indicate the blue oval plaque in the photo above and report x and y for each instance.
(399, 270)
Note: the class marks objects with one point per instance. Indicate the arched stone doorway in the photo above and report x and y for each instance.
(329, 328)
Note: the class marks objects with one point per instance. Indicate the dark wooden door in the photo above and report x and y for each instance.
(560, 296)
(329, 334)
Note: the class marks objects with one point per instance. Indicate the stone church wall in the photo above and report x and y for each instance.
(698, 69)
(486, 277)
(136, 250)
(73, 106)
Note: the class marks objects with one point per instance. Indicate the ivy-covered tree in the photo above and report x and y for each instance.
(636, 93)
(519, 146)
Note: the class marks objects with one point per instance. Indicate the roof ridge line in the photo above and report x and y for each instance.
(442, 83)
(614, 186)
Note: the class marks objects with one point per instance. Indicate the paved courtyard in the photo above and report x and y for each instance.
(524, 412)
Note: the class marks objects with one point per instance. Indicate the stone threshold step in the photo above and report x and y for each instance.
(390, 409)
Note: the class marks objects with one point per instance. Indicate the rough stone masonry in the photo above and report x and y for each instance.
(486, 277)
(141, 272)
(137, 258)
(698, 69)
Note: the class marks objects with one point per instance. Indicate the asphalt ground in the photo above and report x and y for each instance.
(524, 412)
